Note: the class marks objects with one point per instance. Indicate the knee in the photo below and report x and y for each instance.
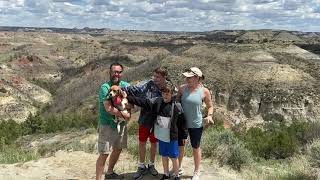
(117, 150)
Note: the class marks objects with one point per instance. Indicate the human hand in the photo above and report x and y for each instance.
(126, 115)
(208, 121)
(184, 141)
(129, 106)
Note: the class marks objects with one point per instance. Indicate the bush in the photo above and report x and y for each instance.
(50, 123)
(276, 140)
(226, 147)
(312, 132)
(313, 153)
(9, 132)
(33, 124)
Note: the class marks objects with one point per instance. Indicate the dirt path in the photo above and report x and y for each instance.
(81, 165)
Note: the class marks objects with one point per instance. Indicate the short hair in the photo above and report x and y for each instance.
(116, 64)
(167, 89)
(163, 72)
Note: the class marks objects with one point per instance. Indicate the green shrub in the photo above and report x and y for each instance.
(276, 140)
(49, 123)
(313, 153)
(9, 132)
(312, 132)
(226, 147)
(33, 124)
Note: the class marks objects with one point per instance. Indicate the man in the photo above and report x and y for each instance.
(111, 140)
(150, 89)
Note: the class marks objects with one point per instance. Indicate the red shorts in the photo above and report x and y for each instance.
(144, 133)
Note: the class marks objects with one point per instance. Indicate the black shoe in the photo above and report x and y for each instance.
(165, 177)
(177, 178)
(152, 170)
(113, 175)
(140, 172)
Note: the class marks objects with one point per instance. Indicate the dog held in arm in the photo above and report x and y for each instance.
(118, 100)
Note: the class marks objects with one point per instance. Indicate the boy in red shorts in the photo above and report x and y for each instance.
(149, 89)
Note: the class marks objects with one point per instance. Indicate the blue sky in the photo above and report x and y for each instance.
(162, 15)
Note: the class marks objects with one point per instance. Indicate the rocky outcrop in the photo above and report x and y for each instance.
(19, 98)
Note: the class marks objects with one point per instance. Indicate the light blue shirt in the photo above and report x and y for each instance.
(192, 107)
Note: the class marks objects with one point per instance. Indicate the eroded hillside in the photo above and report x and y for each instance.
(255, 76)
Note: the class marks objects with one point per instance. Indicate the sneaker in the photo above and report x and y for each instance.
(152, 170)
(196, 175)
(165, 177)
(181, 171)
(113, 175)
(177, 178)
(140, 172)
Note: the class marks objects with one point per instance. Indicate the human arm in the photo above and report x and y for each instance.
(114, 111)
(136, 90)
(209, 105)
(180, 93)
(142, 102)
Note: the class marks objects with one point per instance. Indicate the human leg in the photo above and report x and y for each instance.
(142, 152)
(114, 156)
(153, 150)
(197, 158)
(165, 165)
(143, 136)
(182, 140)
(100, 164)
(175, 166)
(104, 149)
(119, 141)
(163, 151)
(195, 138)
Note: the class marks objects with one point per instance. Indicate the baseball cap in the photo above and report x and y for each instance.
(194, 71)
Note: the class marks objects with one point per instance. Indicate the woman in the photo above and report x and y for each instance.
(191, 95)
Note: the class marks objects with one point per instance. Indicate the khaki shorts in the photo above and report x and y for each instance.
(110, 138)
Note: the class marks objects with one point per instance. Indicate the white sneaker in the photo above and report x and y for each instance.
(196, 175)
(171, 172)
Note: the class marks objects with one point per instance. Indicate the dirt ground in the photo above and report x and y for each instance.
(81, 165)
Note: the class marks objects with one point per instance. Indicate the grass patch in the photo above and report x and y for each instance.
(12, 154)
(296, 167)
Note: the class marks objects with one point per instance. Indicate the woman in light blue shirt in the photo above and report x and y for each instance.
(191, 95)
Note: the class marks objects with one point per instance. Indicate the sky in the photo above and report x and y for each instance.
(162, 15)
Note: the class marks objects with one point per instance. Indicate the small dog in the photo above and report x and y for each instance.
(118, 100)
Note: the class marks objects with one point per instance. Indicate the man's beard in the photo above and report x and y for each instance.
(115, 80)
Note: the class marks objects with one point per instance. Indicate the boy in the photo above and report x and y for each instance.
(169, 115)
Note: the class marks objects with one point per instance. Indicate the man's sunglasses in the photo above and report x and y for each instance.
(116, 72)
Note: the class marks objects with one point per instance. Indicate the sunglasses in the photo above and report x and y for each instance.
(116, 72)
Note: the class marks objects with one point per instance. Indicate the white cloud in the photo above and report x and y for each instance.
(185, 15)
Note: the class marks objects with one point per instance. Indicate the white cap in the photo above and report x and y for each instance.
(194, 71)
